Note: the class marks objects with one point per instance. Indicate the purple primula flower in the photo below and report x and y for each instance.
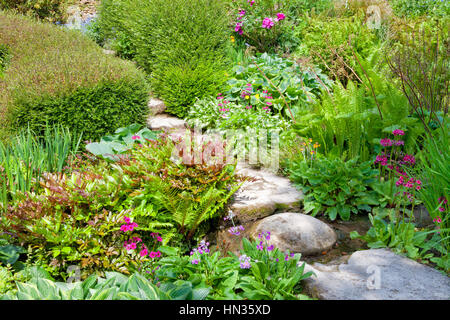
(260, 246)
(244, 262)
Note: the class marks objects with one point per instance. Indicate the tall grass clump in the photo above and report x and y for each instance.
(26, 157)
(434, 171)
(59, 77)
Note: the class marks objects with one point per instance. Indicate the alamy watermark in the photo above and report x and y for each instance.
(254, 146)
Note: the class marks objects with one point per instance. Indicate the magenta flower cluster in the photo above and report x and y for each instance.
(267, 22)
(128, 226)
(132, 244)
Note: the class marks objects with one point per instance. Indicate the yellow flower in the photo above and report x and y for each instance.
(312, 151)
(257, 96)
(232, 39)
(247, 97)
(310, 140)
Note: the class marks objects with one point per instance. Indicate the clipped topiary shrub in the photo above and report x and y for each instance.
(58, 76)
(180, 44)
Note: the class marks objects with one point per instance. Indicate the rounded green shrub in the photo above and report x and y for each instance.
(58, 76)
(180, 44)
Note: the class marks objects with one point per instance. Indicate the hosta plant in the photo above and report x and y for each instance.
(115, 286)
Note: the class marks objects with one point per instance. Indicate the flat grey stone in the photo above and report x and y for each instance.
(296, 232)
(377, 274)
(110, 52)
(263, 194)
(165, 122)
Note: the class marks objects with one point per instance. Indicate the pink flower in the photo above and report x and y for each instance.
(268, 23)
(152, 254)
(280, 16)
(195, 261)
(143, 252)
(159, 239)
(398, 132)
(438, 219)
(260, 246)
(238, 28)
(386, 142)
(126, 219)
(251, 2)
(242, 13)
(158, 254)
(399, 142)
(442, 199)
(441, 209)
(410, 159)
(135, 137)
(382, 160)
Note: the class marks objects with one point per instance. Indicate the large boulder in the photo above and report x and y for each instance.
(296, 232)
(263, 194)
(377, 274)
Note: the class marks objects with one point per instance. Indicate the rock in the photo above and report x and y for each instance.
(156, 106)
(297, 233)
(422, 217)
(263, 194)
(74, 20)
(377, 274)
(165, 122)
(110, 52)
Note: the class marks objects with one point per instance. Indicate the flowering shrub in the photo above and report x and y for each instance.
(396, 165)
(262, 23)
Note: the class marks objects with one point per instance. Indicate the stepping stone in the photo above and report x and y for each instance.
(263, 194)
(110, 52)
(165, 122)
(377, 274)
(156, 106)
(296, 232)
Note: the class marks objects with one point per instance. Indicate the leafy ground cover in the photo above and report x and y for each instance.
(359, 99)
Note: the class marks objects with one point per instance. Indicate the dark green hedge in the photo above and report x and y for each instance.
(94, 110)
